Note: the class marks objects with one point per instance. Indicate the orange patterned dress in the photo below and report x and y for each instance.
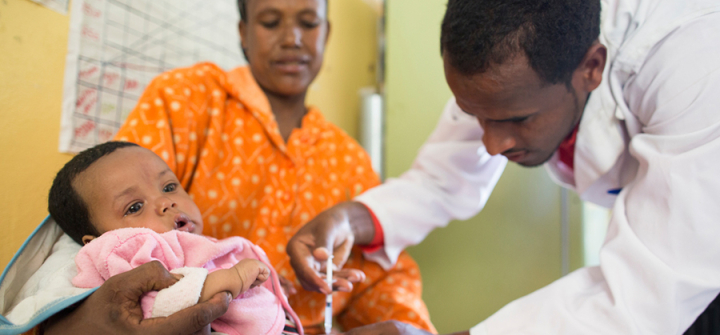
(216, 131)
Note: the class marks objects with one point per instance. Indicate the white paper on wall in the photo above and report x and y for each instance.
(116, 47)
(60, 6)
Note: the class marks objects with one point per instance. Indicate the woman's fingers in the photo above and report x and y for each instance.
(115, 308)
(191, 319)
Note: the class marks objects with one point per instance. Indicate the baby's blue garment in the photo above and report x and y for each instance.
(32, 290)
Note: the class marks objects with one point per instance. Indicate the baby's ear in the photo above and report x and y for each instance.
(87, 239)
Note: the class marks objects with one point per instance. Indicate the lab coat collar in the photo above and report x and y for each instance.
(629, 29)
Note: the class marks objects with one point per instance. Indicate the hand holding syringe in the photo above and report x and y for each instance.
(329, 280)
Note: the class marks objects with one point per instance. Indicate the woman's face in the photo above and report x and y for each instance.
(284, 41)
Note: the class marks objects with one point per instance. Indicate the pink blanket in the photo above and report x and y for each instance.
(258, 311)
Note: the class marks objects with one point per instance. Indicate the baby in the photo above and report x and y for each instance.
(125, 205)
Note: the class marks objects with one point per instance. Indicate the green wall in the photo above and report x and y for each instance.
(513, 247)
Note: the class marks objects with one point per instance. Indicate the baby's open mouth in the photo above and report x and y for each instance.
(183, 223)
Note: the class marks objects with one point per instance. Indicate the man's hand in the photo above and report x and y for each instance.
(333, 231)
(115, 308)
(391, 328)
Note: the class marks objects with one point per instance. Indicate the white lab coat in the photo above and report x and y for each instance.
(651, 130)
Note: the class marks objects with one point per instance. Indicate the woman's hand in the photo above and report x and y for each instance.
(115, 308)
(333, 231)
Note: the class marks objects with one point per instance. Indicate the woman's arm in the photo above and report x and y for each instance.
(245, 275)
(115, 308)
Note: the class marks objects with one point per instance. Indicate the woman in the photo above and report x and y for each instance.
(260, 164)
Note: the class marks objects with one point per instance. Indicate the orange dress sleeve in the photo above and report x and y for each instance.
(175, 116)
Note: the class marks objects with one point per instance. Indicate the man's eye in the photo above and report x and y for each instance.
(170, 188)
(519, 119)
(134, 208)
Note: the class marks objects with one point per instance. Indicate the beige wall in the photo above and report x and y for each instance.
(469, 269)
(33, 40)
(350, 63)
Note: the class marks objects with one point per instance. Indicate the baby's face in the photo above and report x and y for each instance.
(133, 188)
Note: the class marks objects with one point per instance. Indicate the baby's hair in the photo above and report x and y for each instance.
(65, 204)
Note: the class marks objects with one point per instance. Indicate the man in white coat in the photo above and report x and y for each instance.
(625, 111)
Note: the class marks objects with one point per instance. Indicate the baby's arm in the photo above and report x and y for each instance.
(245, 275)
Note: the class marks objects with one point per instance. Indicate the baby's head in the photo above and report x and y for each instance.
(119, 185)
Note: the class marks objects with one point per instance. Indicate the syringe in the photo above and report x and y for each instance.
(328, 298)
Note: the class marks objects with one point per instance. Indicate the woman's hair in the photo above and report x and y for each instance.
(242, 7)
(65, 204)
(555, 35)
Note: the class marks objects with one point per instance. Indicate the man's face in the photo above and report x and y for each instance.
(524, 118)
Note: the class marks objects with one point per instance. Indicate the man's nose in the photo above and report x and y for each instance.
(497, 140)
(164, 204)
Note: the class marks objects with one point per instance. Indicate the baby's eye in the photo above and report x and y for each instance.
(170, 188)
(134, 208)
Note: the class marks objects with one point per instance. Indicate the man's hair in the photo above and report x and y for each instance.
(242, 7)
(65, 204)
(555, 35)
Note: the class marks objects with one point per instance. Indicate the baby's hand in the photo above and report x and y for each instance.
(252, 273)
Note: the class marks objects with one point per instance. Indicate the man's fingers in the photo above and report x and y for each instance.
(315, 283)
(307, 276)
(351, 275)
(327, 234)
(343, 279)
(301, 249)
(191, 319)
(321, 254)
(342, 253)
(342, 285)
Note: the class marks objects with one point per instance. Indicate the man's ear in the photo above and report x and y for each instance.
(87, 239)
(589, 72)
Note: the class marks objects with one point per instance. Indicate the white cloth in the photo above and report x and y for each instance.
(183, 294)
(50, 284)
(651, 129)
